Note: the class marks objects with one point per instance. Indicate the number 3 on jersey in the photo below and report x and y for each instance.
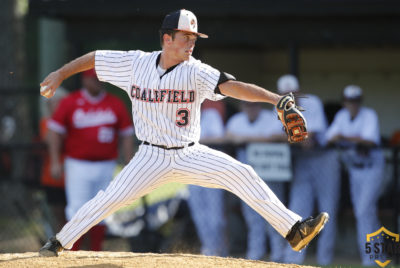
(182, 117)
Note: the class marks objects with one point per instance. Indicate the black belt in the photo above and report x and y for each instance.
(167, 148)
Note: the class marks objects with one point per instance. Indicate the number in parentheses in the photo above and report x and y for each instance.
(182, 115)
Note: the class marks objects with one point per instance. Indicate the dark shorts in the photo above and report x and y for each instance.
(55, 195)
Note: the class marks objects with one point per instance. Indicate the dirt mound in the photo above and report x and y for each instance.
(127, 259)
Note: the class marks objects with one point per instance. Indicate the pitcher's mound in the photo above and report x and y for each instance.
(127, 259)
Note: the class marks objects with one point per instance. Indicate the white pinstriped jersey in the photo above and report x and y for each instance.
(166, 109)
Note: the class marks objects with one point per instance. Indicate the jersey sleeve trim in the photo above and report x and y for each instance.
(56, 127)
(223, 77)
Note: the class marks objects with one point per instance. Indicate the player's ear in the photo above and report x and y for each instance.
(167, 39)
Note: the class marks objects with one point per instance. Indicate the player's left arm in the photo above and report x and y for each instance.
(248, 92)
(288, 113)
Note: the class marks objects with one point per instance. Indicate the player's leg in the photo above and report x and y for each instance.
(77, 185)
(301, 200)
(104, 171)
(363, 185)
(207, 210)
(326, 182)
(256, 233)
(77, 188)
(277, 243)
(146, 171)
(210, 168)
(198, 209)
(216, 204)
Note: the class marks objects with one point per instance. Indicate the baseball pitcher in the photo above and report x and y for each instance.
(167, 88)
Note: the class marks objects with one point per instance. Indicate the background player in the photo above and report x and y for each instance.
(87, 125)
(246, 127)
(356, 130)
(316, 171)
(54, 187)
(207, 205)
(166, 89)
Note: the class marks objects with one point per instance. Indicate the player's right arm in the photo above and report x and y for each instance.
(54, 79)
(57, 129)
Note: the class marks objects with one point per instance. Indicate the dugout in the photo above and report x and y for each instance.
(328, 44)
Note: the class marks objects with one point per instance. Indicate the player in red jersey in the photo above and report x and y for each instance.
(88, 124)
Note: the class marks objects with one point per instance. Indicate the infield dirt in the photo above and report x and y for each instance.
(127, 259)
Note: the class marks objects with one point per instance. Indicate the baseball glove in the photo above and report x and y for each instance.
(292, 119)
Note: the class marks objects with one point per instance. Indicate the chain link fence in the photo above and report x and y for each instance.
(20, 161)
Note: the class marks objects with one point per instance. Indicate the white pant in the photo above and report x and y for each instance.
(83, 180)
(316, 181)
(152, 167)
(258, 231)
(365, 184)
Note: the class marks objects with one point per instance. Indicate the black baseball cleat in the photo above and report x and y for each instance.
(303, 232)
(51, 248)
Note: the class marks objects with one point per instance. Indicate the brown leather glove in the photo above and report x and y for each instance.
(292, 119)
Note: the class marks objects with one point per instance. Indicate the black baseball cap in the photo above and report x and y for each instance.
(182, 20)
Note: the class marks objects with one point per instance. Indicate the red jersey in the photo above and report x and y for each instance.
(91, 125)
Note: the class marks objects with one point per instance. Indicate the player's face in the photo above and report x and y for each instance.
(252, 110)
(353, 106)
(93, 85)
(183, 45)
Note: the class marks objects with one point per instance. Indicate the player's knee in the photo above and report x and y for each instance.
(250, 170)
(363, 212)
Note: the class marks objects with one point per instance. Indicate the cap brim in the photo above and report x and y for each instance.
(196, 33)
(202, 35)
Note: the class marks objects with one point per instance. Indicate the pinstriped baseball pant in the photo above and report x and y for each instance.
(152, 167)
